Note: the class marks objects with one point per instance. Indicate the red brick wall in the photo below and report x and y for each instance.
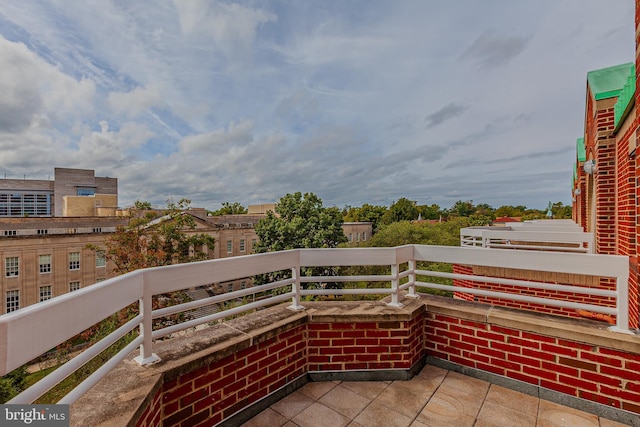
(588, 371)
(542, 293)
(605, 182)
(360, 346)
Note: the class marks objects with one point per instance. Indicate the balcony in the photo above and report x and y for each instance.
(212, 369)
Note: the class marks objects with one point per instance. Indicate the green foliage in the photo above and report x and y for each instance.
(142, 206)
(478, 220)
(227, 208)
(431, 212)
(402, 210)
(301, 222)
(461, 208)
(366, 213)
(12, 383)
(149, 241)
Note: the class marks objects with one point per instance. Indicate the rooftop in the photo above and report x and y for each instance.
(608, 82)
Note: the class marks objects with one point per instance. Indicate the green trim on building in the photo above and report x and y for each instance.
(608, 82)
(581, 150)
(626, 99)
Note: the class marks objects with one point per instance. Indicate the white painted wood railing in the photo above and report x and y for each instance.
(30, 332)
(533, 237)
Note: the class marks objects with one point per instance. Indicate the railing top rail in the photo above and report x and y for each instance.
(540, 236)
(588, 264)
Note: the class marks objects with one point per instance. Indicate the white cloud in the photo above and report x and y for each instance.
(135, 102)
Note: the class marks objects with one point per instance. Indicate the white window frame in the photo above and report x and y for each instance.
(242, 245)
(44, 263)
(45, 292)
(12, 300)
(101, 260)
(74, 286)
(74, 261)
(229, 246)
(12, 266)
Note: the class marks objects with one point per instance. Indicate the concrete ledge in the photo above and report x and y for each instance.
(121, 397)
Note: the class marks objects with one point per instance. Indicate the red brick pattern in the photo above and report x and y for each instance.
(211, 393)
(360, 346)
(595, 373)
(605, 283)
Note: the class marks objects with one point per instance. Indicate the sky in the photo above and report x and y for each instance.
(356, 101)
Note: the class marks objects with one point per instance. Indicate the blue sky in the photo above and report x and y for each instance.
(356, 101)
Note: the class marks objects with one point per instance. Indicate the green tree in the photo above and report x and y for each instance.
(431, 212)
(402, 210)
(365, 213)
(227, 208)
(12, 383)
(300, 221)
(461, 208)
(152, 241)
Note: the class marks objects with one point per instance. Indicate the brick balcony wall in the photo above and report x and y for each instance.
(566, 279)
(577, 358)
(214, 374)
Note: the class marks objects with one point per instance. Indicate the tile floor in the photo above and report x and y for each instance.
(434, 398)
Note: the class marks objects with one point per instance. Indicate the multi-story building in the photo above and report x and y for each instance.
(72, 193)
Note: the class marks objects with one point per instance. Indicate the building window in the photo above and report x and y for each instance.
(101, 261)
(44, 262)
(25, 204)
(97, 230)
(11, 266)
(230, 287)
(357, 237)
(74, 261)
(229, 246)
(10, 232)
(351, 237)
(253, 243)
(12, 301)
(71, 230)
(42, 232)
(242, 245)
(74, 286)
(243, 285)
(84, 191)
(364, 236)
(45, 293)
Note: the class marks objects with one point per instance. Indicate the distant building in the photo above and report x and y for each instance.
(72, 193)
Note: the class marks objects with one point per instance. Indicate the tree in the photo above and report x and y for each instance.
(461, 208)
(300, 221)
(227, 208)
(151, 241)
(430, 212)
(402, 210)
(366, 213)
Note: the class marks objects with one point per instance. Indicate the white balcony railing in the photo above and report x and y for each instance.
(546, 235)
(28, 333)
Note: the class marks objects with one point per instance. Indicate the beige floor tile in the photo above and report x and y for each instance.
(494, 415)
(523, 403)
(379, 415)
(268, 417)
(316, 390)
(344, 401)
(318, 415)
(465, 384)
(610, 423)
(446, 410)
(368, 389)
(293, 404)
(402, 400)
(554, 415)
